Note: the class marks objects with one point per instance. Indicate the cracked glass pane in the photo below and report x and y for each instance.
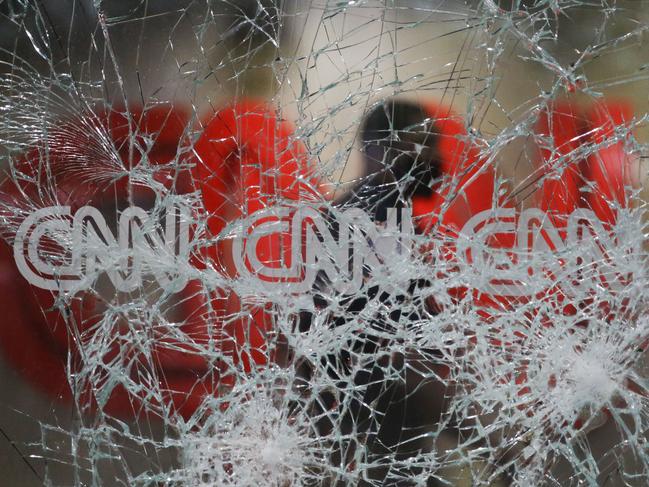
(324, 243)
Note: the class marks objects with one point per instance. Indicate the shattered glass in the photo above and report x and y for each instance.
(323, 243)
